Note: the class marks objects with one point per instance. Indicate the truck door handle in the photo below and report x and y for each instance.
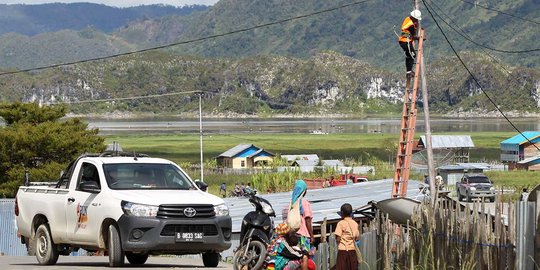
(71, 199)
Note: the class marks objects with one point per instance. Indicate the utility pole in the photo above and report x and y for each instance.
(429, 147)
(201, 136)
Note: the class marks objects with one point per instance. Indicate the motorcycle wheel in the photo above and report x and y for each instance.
(253, 259)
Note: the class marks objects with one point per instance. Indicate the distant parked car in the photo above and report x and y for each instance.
(475, 186)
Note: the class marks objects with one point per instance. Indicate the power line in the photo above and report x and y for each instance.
(463, 32)
(189, 41)
(500, 11)
(474, 78)
(129, 98)
(477, 43)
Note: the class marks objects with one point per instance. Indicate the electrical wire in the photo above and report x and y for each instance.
(474, 78)
(463, 32)
(189, 41)
(128, 98)
(479, 44)
(500, 11)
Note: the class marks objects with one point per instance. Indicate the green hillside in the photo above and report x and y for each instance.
(325, 83)
(363, 31)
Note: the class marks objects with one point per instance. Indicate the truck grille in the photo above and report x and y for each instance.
(207, 229)
(177, 211)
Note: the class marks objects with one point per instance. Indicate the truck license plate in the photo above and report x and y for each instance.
(189, 236)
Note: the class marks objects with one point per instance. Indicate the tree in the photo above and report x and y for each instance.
(37, 139)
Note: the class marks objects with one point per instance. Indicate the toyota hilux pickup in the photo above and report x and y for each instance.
(124, 206)
(474, 186)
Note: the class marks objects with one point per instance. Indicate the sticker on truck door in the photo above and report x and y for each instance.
(82, 213)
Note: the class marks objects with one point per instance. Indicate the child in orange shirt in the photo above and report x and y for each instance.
(346, 235)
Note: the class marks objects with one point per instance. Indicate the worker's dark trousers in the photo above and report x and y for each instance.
(410, 54)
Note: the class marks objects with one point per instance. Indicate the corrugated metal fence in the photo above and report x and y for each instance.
(10, 244)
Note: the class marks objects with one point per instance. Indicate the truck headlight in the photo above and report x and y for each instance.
(492, 188)
(473, 188)
(139, 210)
(221, 210)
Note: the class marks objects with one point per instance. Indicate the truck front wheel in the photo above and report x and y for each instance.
(46, 250)
(211, 259)
(136, 258)
(116, 254)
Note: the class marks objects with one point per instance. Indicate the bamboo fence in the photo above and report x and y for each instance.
(448, 237)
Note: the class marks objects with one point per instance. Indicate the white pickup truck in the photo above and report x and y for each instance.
(129, 207)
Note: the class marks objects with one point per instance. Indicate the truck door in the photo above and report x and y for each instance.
(83, 206)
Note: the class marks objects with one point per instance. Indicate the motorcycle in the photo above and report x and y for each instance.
(255, 234)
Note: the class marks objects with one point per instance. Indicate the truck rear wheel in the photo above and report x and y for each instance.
(46, 250)
(136, 258)
(116, 254)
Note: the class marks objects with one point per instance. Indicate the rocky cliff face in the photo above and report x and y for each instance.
(325, 83)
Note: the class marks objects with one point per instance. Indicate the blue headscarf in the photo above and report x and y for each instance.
(300, 188)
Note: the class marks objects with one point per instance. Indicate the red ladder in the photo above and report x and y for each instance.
(408, 123)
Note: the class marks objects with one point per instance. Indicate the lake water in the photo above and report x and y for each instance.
(216, 126)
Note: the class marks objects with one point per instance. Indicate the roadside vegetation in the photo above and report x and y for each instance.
(34, 140)
(354, 149)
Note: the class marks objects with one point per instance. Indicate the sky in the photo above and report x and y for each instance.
(116, 3)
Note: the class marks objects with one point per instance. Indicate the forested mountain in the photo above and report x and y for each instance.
(37, 19)
(345, 60)
(325, 83)
(364, 30)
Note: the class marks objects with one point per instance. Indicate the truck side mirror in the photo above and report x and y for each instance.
(89, 186)
(201, 185)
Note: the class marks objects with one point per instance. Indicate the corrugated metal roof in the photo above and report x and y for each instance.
(466, 166)
(304, 163)
(325, 202)
(300, 157)
(449, 141)
(332, 163)
(519, 139)
(527, 160)
(480, 165)
(235, 150)
(245, 150)
(262, 152)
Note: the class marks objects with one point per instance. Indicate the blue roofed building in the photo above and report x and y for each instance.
(245, 156)
(521, 152)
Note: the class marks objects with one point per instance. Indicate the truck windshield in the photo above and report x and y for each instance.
(479, 180)
(146, 176)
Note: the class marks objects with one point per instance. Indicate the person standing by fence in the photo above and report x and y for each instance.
(223, 190)
(346, 235)
(303, 227)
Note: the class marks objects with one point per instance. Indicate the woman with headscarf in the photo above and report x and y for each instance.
(305, 232)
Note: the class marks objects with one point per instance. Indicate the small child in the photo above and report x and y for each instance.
(284, 254)
(346, 235)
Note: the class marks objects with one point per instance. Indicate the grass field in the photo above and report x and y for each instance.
(356, 148)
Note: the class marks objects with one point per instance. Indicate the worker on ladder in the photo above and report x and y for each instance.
(409, 30)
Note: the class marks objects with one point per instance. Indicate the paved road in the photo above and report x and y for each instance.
(100, 262)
